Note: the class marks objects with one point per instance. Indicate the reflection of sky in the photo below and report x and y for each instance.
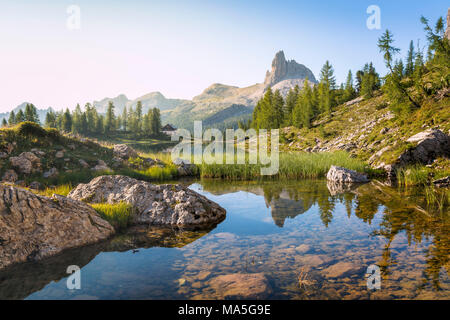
(153, 272)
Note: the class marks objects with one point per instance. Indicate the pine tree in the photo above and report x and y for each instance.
(409, 69)
(125, 119)
(110, 120)
(67, 121)
(393, 84)
(4, 123)
(31, 113)
(12, 118)
(370, 81)
(399, 69)
(20, 117)
(91, 114)
(138, 115)
(276, 111)
(326, 86)
(76, 120)
(83, 123)
(349, 90)
(291, 100)
(156, 121)
(303, 112)
(50, 120)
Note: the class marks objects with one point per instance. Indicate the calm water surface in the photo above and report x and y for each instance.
(281, 229)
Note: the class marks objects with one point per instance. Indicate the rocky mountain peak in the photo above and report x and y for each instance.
(283, 69)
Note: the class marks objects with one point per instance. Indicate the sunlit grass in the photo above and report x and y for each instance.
(119, 215)
(293, 165)
(62, 190)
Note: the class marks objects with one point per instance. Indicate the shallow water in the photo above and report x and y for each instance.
(327, 235)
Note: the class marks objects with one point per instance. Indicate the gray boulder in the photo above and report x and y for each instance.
(53, 172)
(154, 204)
(34, 227)
(442, 183)
(430, 144)
(101, 166)
(10, 176)
(184, 167)
(339, 174)
(124, 151)
(26, 162)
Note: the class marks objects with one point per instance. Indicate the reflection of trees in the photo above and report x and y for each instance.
(366, 207)
(404, 213)
(409, 211)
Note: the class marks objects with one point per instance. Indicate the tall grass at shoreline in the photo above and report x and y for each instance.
(298, 165)
(415, 175)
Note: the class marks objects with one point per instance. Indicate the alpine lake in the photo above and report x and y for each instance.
(310, 240)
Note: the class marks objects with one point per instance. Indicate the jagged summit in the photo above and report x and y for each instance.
(282, 70)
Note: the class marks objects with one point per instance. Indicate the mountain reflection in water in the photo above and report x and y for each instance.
(330, 232)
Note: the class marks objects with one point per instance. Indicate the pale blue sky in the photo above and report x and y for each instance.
(181, 47)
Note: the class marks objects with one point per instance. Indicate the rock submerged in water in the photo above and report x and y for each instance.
(343, 175)
(164, 204)
(241, 286)
(34, 227)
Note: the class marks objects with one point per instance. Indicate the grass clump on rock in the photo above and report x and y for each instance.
(119, 215)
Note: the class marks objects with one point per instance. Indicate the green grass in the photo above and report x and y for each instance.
(415, 175)
(62, 190)
(293, 165)
(119, 215)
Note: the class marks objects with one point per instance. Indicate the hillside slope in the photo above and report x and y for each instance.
(368, 129)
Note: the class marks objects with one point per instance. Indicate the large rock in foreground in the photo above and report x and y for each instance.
(343, 175)
(154, 204)
(34, 227)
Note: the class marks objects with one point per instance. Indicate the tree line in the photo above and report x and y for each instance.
(90, 122)
(405, 85)
(30, 114)
(302, 106)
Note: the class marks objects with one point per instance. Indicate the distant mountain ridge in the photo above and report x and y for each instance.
(41, 112)
(217, 102)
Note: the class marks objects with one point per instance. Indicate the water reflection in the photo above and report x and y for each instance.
(19, 281)
(404, 211)
(281, 229)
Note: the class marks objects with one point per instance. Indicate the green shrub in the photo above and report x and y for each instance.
(32, 129)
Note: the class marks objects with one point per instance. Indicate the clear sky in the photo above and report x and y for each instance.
(181, 47)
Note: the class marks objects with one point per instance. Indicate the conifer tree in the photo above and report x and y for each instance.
(291, 100)
(20, 117)
(12, 118)
(411, 56)
(67, 121)
(110, 121)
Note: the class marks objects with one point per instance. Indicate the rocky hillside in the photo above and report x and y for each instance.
(33, 157)
(369, 130)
